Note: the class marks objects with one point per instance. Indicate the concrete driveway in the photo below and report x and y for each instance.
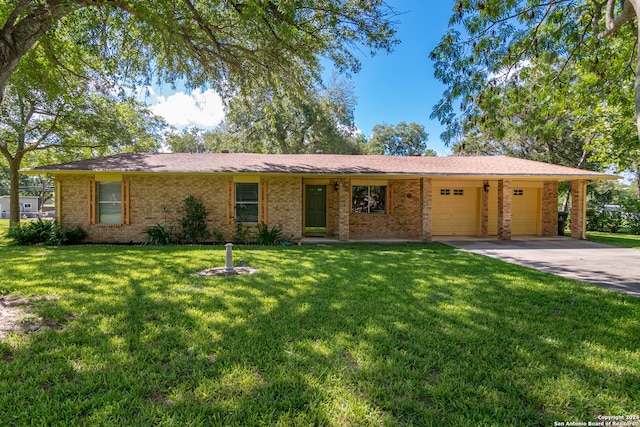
(611, 267)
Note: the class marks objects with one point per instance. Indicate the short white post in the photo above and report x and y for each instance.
(228, 265)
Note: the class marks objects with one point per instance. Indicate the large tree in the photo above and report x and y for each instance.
(585, 46)
(403, 139)
(222, 43)
(272, 120)
(78, 123)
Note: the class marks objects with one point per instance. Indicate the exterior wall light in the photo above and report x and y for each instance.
(486, 186)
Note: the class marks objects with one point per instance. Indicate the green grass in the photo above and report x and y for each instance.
(345, 335)
(615, 239)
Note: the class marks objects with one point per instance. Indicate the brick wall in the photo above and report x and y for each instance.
(156, 199)
(426, 188)
(578, 209)
(504, 209)
(284, 205)
(549, 208)
(402, 218)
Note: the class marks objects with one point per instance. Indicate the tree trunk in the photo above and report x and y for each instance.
(26, 23)
(14, 192)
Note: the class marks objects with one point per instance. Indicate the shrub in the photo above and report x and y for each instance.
(242, 234)
(268, 236)
(158, 235)
(194, 227)
(66, 236)
(633, 222)
(218, 237)
(45, 232)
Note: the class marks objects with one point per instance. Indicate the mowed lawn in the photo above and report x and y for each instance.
(366, 334)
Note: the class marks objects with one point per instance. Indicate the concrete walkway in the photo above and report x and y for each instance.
(611, 267)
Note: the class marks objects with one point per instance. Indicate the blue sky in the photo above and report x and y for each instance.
(390, 88)
(400, 86)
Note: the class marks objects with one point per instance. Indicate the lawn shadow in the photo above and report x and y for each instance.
(352, 334)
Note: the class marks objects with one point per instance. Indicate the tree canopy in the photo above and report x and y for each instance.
(564, 69)
(403, 139)
(220, 43)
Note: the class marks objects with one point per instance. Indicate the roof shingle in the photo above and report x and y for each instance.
(318, 164)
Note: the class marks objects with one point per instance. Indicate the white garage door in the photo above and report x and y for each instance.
(455, 211)
(525, 208)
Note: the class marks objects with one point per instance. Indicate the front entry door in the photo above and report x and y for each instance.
(316, 208)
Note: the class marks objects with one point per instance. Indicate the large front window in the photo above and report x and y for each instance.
(369, 199)
(109, 202)
(247, 202)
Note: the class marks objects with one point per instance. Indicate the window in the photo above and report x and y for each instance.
(369, 199)
(518, 192)
(459, 192)
(109, 202)
(445, 192)
(27, 205)
(246, 204)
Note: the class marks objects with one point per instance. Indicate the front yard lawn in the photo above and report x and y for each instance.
(367, 334)
(615, 239)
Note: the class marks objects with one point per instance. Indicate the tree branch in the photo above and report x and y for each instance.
(613, 22)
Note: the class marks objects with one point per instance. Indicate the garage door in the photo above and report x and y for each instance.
(525, 208)
(455, 211)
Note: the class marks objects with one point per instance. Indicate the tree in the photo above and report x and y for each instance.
(225, 44)
(272, 120)
(575, 44)
(400, 140)
(63, 126)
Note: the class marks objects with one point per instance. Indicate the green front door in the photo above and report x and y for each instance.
(316, 208)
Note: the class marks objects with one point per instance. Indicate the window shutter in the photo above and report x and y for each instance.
(390, 201)
(126, 219)
(263, 202)
(231, 200)
(91, 201)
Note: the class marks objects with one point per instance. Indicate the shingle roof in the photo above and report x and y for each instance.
(319, 164)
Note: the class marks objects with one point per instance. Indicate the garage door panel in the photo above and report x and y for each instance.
(525, 212)
(455, 211)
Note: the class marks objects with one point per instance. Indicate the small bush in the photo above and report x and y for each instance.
(194, 214)
(45, 232)
(66, 236)
(268, 237)
(158, 235)
(242, 234)
(218, 237)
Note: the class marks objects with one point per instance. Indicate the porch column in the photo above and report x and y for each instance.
(550, 208)
(425, 209)
(484, 214)
(578, 209)
(344, 208)
(504, 209)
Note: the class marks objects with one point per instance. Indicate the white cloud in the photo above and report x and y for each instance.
(200, 109)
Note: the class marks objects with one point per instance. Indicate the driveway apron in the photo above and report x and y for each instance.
(607, 266)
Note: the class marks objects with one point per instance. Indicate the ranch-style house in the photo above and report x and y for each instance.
(344, 197)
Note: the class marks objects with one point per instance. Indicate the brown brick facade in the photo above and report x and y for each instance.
(426, 187)
(549, 208)
(153, 198)
(504, 209)
(578, 209)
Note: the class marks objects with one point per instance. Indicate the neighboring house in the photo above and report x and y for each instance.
(28, 206)
(338, 196)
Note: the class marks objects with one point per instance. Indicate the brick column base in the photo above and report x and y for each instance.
(344, 207)
(504, 209)
(578, 209)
